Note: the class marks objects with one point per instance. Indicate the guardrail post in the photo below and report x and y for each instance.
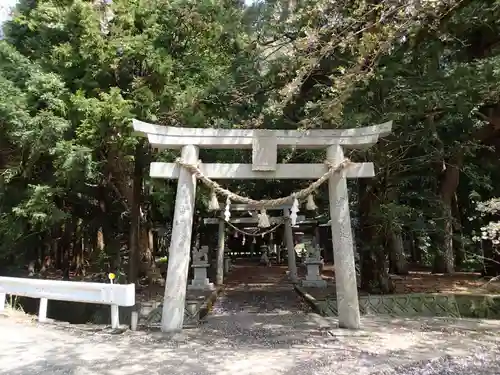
(134, 319)
(42, 310)
(115, 317)
(2, 301)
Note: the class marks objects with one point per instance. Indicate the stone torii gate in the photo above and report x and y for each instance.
(264, 145)
(254, 220)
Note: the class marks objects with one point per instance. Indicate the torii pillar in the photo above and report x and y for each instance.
(264, 144)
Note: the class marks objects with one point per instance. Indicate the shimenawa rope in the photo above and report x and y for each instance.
(265, 203)
(259, 234)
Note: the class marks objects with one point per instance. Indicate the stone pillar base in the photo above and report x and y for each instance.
(313, 276)
(200, 280)
(314, 283)
(227, 265)
(204, 285)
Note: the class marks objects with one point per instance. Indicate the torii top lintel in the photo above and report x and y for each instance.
(168, 137)
(264, 143)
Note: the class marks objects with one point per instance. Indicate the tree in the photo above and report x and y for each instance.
(89, 67)
(433, 71)
(33, 120)
(163, 62)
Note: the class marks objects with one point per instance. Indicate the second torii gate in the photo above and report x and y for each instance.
(264, 144)
(292, 268)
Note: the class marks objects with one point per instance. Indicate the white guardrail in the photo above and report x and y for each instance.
(75, 291)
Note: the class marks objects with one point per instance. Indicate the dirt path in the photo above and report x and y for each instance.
(257, 289)
(270, 344)
(257, 328)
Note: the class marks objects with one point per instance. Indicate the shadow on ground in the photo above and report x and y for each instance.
(257, 327)
(277, 343)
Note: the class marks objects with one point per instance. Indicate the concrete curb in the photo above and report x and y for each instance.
(206, 307)
(455, 305)
(310, 300)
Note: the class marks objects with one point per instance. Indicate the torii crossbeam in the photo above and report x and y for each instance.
(264, 145)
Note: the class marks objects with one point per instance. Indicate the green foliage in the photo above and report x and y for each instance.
(74, 73)
(39, 208)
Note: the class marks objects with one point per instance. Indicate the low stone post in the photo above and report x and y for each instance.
(134, 320)
(292, 266)
(42, 310)
(313, 263)
(200, 264)
(115, 317)
(219, 278)
(227, 265)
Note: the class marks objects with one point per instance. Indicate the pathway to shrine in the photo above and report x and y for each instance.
(253, 289)
(257, 328)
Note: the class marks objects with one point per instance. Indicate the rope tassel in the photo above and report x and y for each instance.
(311, 205)
(263, 219)
(293, 211)
(213, 204)
(227, 211)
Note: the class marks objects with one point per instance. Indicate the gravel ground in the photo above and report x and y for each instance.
(476, 364)
(255, 331)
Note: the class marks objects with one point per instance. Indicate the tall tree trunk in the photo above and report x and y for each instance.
(155, 245)
(148, 265)
(135, 215)
(66, 244)
(78, 256)
(458, 243)
(416, 253)
(109, 225)
(398, 263)
(394, 237)
(56, 248)
(444, 261)
(450, 174)
(374, 270)
(459, 250)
